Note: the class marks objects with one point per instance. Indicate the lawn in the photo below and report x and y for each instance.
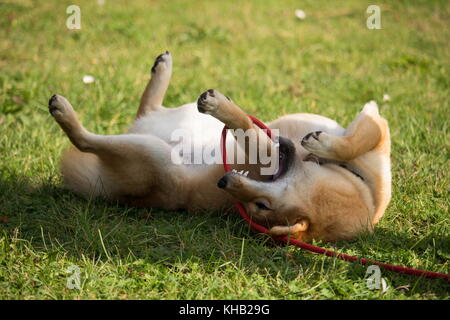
(271, 63)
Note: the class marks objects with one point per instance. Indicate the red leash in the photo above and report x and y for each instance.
(309, 247)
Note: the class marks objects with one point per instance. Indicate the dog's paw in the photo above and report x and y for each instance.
(62, 111)
(318, 143)
(208, 102)
(59, 107)
(162, 62)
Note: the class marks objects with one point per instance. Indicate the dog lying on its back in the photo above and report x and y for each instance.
(331, 183)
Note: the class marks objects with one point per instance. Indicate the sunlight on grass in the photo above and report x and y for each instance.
(271, 63)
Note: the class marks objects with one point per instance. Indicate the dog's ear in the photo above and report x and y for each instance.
(300, 226)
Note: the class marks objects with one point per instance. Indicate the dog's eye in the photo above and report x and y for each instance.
(262, 206)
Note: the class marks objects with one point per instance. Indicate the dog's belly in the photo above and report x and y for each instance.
(163, 123)
(296, 126)
(192, 133)
(200, 133)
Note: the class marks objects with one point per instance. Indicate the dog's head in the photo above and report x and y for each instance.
(302, 199)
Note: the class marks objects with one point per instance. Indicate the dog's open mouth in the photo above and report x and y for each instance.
(286, 153)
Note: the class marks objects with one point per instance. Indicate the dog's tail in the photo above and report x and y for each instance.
(82, 173)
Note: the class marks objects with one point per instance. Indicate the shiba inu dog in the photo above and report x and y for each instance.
(331, 182)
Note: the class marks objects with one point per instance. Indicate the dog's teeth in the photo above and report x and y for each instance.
(242, 172)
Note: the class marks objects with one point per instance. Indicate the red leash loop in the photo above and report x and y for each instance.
(309, 247)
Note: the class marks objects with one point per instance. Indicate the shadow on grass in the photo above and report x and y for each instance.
(54, 219)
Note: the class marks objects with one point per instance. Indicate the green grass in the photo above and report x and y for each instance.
(271, 64)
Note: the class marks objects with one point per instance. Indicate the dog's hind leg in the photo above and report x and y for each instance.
(128, 165)
(364, 134)
(153, 95)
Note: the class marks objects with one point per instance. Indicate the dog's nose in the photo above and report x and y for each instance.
(222, 182)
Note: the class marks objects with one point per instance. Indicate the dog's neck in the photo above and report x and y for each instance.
(321, 161)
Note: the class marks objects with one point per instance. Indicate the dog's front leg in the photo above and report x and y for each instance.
(224, 109)
(214, 103)
(364, 134)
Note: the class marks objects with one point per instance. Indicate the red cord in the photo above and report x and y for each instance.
(309, 247)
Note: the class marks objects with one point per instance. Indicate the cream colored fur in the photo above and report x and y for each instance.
(316, 198)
